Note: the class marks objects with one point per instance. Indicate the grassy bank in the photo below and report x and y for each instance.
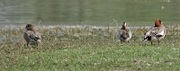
(82, 49)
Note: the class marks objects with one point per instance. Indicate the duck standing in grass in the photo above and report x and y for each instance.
(155, 33)
(31, 36)
(124, 33)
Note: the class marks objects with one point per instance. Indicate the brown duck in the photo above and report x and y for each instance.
(124, 33)
(31, 36)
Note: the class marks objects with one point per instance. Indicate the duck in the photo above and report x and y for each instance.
(124, 33)
(156, 32)
(31, 36)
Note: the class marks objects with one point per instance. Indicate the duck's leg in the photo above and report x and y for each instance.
(37, 44)
(158, 41)
(27, 44)
(121, 41)
(151, 43)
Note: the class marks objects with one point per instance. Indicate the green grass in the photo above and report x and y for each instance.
(95, 57)
(101, 50)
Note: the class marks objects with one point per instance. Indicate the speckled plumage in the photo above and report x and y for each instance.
(31, 36)
(124, 33)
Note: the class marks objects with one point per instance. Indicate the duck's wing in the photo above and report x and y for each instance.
(129, 33)
(151, 32)
(119, 33)
(124, 34)
(155, 32)
(33, 36)
(160, 31)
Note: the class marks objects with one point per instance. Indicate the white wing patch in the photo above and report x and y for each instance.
(130, 34)
(161, 33)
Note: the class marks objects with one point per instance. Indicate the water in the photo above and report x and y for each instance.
(91, 12)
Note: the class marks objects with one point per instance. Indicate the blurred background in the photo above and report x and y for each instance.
(89, 12)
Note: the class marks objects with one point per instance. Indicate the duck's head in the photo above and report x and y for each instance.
(158, 23)
(124, 26)
(30, 27)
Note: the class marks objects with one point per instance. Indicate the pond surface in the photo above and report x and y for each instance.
(91, 12)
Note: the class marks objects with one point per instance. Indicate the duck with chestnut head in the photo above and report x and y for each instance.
(155, 33)
(31, 36)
